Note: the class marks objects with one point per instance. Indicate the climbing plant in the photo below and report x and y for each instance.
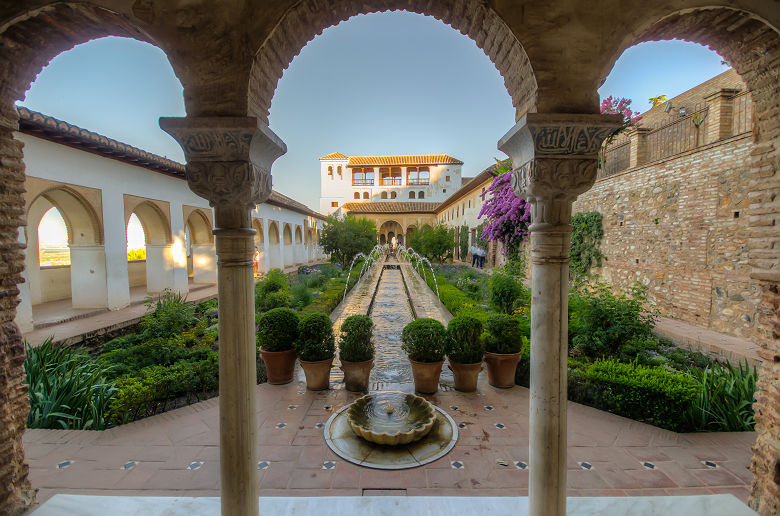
(586, 236)
(506, 215)
(463, 241)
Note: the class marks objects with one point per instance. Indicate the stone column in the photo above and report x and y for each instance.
(553, 160)
(88, 276)
(115, 246)
(637, 146)
(266, 246)
(721, 115)
(179, 280)
(229, 163)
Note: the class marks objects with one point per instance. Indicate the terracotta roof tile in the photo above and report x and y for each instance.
(390, 207)
(403, 160)
(469, 186)
(333, 155)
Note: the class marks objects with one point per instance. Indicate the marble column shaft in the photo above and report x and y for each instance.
(229, 163)
(553, 161)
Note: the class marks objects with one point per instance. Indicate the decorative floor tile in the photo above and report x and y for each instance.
(327, 407)
(521, 465)
(709, 464)
(586, 465)
(453, 407)
(128, 465)
(328, 464)
(194, 465)
(281, 425)
(263, 464)
(319, 425)
(648, 465)
(64, 464)
(456, 464)
(500, 426)
(502, 462)
(462, 425)
(488, 407)
(292, 407)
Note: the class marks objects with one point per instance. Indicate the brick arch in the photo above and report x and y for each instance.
(752, 46)
(309, 18)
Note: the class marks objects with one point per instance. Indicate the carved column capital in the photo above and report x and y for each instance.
(554, 159)
(228, 158)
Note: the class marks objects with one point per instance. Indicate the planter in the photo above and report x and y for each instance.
(317, 374)
(501, 369)
(466, 375)
(356, 374)
(279, 365)
(426, 376)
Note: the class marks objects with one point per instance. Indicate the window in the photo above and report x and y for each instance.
(418, 176)
(393, 195)
(365, 195)
(362, 176)
(411, 195)
(421, 195)
(330, 171)
(383, 195)
(469, 203)
(390, 176)
(339, 170)
(447, 178)
(357, 195)
(443, 190)
(334, 204)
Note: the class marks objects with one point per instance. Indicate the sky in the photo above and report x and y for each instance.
(386, 83)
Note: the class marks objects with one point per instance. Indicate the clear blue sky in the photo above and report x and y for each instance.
(389, 83)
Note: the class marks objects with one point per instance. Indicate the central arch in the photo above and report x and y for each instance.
(473, 18)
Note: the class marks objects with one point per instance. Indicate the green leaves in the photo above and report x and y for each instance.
(277, 329)
(344, 238)
(586, 235)
(464, 343)
(356, 339)
(435, 243)
(315, 338)
(725, 402)
(424, 340)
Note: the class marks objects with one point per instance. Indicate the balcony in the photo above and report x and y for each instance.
(362, 182)
(391, 181)
(418, 182)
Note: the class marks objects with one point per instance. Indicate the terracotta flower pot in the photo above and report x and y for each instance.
(317, 374)
(501, 369)
(356, 374)
(426, 376)
(279, 365)
(466, 375)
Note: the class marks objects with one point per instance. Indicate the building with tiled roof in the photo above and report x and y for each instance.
(380, 179)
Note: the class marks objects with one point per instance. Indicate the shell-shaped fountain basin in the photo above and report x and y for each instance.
(391, 418)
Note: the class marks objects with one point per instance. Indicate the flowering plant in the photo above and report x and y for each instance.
(620, 106)
(506, 215)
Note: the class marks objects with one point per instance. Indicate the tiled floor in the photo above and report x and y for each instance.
(178, 453)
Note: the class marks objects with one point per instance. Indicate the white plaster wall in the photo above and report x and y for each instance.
(54, 283)
(137, 273)
(88, 273)
(338, 188)
(204, 263)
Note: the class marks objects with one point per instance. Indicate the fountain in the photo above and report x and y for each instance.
(391, 418)
(419, 260)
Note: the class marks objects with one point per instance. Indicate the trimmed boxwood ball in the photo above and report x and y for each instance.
(355, 344)
(277, 329)
(464, 343)
(315, 338)
(424, 340)
(504, 334)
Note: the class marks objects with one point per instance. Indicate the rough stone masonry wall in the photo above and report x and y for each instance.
(680, 227)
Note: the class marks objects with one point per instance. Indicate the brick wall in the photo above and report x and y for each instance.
(679, 226)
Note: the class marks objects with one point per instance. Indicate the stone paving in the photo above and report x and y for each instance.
(177, 453)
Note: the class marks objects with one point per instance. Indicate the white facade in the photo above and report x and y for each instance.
(380, 179)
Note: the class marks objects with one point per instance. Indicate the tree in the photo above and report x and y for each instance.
(435, 243)
(506, 215)
(463, 241)
(344, 238)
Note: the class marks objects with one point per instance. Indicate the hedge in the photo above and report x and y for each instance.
(648, 394)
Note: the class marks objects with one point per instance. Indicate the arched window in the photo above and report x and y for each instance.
(421, 195)
(339, 169)
(357, 195)
(383, 195)
(393, 195)
(418, 176)
(330, 170)
(365, 195)
(411, 195)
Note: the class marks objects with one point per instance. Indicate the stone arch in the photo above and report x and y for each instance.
(201, 252)
(389, 229)
(287, 235)
(81, 219)
(200, 227)
(298, 235)
(289, 248)
(157, 230)
(473, 18)
(752, 47)
(273, 233)
(274, 246)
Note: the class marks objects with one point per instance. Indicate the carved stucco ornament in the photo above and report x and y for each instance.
(554, 159)
(228, 158)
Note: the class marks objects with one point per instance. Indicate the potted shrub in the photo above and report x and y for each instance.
(316, 347)
(503, 344)
(277, 330)
(465, 350)
(424, 341)
(356, 351)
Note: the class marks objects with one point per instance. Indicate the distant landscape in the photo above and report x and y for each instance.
(50, 256)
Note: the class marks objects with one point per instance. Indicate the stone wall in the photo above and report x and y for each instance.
(679, 226)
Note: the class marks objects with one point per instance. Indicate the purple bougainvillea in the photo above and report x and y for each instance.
(506, 215)
(620, 106)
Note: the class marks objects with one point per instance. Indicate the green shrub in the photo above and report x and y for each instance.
(356, 343)
(424, 340)
(67, 389)
(586, 235)
(602, 321)
(463, 240)
(315, 338)
(277, 329)
(301, 296)
(273, 281)
(523, 371)
(505, 292)
(168, 315)
(464, 343)
(131, 360)
(504, 334)
(725, 401)
(123, 342)
(648, 394)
